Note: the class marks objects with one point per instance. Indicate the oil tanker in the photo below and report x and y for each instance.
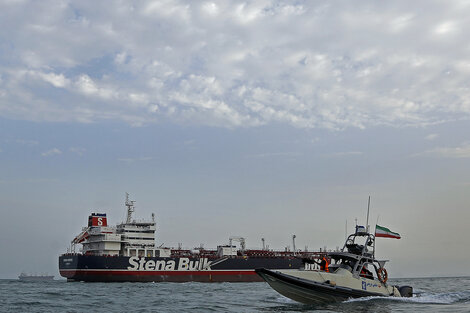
(127, 253)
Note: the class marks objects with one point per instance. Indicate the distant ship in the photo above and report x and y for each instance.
(27, 277)
(127, 252)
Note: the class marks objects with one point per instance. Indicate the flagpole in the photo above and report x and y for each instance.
(367, 224)
(376, 231)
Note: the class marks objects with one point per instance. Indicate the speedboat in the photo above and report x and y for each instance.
(351, 272)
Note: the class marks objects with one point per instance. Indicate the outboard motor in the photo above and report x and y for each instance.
(406, 291)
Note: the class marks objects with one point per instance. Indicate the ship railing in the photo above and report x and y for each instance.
(138, 223)
(250, 253)
(71, 254)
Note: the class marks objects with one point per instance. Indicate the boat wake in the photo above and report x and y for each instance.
(426, 298)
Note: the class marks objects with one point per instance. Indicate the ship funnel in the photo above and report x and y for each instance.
(97, 219)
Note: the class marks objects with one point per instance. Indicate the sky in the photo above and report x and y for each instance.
(260, 119)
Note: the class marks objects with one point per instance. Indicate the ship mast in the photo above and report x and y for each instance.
(293, 242)
(130, 208)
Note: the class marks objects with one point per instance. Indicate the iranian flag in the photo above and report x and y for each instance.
(381, 231)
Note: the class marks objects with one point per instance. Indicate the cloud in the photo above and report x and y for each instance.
(460, 152)
(345, 153)
(86, 85)
(35, 180)
(132, 160)
(51, 152)
(56, 80)
(77, 150)
(431, 137)
(26, 142)
(274, 154)
(445, 28)
(314, 140)
(189, 142)
(228, 64)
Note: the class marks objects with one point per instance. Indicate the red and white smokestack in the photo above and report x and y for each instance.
(97, 219)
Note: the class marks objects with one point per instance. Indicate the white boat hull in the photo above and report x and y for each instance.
(292, 285)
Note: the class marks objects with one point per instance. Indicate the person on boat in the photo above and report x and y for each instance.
(366, 273)
(324, 264)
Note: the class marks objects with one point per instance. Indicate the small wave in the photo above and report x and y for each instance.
(444, 298)
(440, 298)
(283, 299)
(52, 293)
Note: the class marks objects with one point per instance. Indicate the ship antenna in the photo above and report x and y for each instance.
(367, 224)
(130, 208)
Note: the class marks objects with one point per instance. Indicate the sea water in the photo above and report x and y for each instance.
(431, 295)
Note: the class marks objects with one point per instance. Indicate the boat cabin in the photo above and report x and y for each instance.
(357, 256)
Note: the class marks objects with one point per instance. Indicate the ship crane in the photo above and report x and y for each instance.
(241, 240)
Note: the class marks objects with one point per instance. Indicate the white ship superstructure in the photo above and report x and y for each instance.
(101, 240)
(131, 238)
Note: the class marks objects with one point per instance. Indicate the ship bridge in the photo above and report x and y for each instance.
(130, 238)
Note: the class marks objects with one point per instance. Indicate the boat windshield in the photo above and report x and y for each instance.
(362, 244)
(342, 261)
